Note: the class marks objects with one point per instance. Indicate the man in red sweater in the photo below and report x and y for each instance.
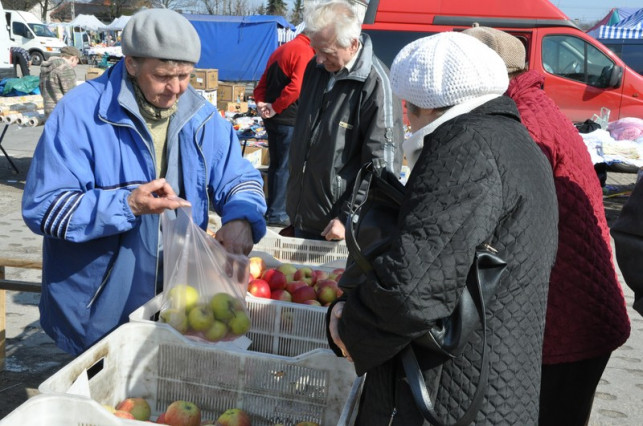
(276, 96)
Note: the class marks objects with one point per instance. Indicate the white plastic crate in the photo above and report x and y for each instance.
(62, 410)
(156, 363)
(303, 251)
(278, 328)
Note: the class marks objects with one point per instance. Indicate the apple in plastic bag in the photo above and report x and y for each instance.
(224, 306)
(216, 332)
(176, 318)
(200, 318)
(183, 296)
(137, 406)
(182, 413)
(234, 417)
(239, 324)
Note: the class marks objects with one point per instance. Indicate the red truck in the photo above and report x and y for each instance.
(581, 74)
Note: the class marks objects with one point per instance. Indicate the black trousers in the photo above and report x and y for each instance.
(18, 59)
(567, 391)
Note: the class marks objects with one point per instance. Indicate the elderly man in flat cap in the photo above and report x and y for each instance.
(114, 154)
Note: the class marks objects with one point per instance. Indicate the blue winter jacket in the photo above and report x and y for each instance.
(99, 260)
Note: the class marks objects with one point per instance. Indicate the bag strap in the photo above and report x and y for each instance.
(416, 380)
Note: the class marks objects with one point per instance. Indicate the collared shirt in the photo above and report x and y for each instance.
(347, 68)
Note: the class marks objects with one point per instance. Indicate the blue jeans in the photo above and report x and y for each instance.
(279, 137)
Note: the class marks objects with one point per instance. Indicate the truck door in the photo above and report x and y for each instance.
(578, 76)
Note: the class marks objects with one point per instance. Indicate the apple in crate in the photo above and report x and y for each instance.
(327, 291)
(288, 269)
(304, 274)
(275, 278)
(256, 266)
(312, 302)
(234, 417)
(124, 414)
(259, 288)
(304, 293)
(138, 407)
(293, 286)
(183, 296)
(319, 275)
(282, 295)
(182, 413)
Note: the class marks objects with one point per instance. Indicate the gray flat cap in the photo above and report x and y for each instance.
(162, 34)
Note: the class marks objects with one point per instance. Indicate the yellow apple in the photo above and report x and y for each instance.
(183, 296)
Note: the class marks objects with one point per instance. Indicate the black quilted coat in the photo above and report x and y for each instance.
(479, 175)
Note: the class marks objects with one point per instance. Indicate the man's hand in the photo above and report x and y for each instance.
(154, 198)
(236, 236)
(334, 230)
(333, 327)
(266, 110)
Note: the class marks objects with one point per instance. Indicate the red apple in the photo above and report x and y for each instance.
(304, 274)
(234, 417)
(312, 302)
(276, 279)
(182, 413)
(282, 295)
(292, 286)
(319, 275)
(288, 269)
(304, 293)
(326, 291)
(124, 414)
(138, 407)
(259, 288)
(256, 266)
(161, 418)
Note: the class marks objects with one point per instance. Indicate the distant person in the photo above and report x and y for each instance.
(115, 154)
(347, 116)
(586, 314)
(276, 95)
(57, 77)
(20, 57)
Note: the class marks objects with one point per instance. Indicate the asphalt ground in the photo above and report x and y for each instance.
(32, 356)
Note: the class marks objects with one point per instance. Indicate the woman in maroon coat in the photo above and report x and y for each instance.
(586, 314)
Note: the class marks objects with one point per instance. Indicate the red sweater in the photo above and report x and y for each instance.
(281, 81)
(586, 310)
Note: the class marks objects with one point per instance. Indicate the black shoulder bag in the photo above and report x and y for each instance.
(373, 212)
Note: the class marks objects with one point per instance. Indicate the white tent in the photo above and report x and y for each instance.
(88, 22)
(118, 23)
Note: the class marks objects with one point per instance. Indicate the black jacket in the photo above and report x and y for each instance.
(335, 133)
(479, 177)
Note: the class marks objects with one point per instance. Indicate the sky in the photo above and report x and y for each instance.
(592, 10)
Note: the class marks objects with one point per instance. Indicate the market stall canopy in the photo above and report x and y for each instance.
(118, 23)
(629, 26)
(88, 22)
(238, 46)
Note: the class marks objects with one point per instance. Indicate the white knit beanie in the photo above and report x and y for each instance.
(446, 69)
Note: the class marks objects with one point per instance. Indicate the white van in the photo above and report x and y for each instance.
(31, 34)
(6, 68)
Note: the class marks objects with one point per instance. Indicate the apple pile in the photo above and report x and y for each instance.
(288, 283)
(223, 316)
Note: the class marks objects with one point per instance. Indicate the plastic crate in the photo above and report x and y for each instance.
(303, 251)
(156, 363)
(278, 328)
(62, 410)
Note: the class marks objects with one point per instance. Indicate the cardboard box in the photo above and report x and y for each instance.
(92, 73)
(230, 92)
(239, 107)
(209, 95)
(257, 156)
(205, 79)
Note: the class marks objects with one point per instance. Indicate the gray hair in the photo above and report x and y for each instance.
(338, 13)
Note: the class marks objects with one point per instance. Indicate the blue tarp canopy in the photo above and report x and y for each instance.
(238, 46)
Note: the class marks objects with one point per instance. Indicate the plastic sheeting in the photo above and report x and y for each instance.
(238, 46)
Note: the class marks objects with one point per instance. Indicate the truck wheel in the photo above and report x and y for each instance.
(36, 58)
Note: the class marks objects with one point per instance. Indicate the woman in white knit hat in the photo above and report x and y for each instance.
(476, 177)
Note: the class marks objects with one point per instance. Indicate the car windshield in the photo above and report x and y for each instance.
(41, 30)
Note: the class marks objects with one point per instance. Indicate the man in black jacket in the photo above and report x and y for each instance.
(347, 116)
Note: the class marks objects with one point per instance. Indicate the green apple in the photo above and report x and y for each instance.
(200, 318)
(216, 332)
(183, 296)
(234, 417)
(224, 306)
(176, 318)
(239, 324)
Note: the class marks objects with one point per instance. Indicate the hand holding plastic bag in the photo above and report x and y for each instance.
(204, 286)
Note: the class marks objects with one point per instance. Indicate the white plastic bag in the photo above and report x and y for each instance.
(204, 286)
